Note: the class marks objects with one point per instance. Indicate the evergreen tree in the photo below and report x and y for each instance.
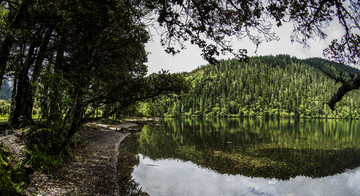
(265, 86)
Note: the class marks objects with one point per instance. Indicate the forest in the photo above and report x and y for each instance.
(64, 63)
(265, 86)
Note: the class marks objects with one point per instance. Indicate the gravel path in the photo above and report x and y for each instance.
(93, 169)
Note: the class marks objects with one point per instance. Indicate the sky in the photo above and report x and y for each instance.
(190, 58)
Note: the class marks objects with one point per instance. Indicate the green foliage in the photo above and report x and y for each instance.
(81, 56)
(4, 107)
(268, 148)
(267, 86)
(3, 14)
(334, 67)
(45, 149)
(12, 175)
(145, 109)
(40, 143)
(42, 161)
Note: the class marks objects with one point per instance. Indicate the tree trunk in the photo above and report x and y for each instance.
(38, 66)
(44, 104)
(8, 42)
(4, 55)
(54, 95)
(23, 92)
(76, 117)
(12, 106)
(22, 100)
(352, 84)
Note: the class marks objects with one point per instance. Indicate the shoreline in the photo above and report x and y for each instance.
(93, 169)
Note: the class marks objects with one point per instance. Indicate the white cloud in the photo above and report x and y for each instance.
(175, 177)
(190, 58)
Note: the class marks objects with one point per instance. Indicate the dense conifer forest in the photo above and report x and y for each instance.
(266, 86)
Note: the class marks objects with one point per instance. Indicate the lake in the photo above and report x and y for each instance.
(242, 156)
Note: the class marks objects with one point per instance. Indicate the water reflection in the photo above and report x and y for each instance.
(175, 177)
(243, 148)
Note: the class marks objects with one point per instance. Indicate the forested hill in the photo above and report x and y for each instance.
(5, 91)
(269, 86)
(326, 65)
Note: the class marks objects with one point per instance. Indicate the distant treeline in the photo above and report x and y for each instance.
(266, 86)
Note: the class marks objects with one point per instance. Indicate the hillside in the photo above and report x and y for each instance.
(267, 86)
(5, 92)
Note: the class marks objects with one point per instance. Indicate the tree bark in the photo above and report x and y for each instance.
(8, 42)
(54, 91)
(38, 66)
(23, 94)
(4, 55)
(76, 116)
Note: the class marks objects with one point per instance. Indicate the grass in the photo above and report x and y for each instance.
(5, 118)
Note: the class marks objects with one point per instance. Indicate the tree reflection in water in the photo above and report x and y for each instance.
(280, 149)
(126, 162)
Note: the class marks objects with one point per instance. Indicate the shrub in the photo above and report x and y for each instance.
(12, 174)
(46, 148)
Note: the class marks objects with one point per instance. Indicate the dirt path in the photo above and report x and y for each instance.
(91, 172)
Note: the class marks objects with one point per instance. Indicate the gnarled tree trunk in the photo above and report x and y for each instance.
(347, 86)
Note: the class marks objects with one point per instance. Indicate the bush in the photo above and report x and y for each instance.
(12, 174)
(46, 149)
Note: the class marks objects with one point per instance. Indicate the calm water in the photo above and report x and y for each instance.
(243, 157)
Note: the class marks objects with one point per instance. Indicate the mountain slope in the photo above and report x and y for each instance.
(268, 86)
(5, 92)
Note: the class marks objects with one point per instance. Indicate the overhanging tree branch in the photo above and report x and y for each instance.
(352, 84)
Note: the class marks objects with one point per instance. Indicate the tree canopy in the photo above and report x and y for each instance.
(194, 20)
(73, 57)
